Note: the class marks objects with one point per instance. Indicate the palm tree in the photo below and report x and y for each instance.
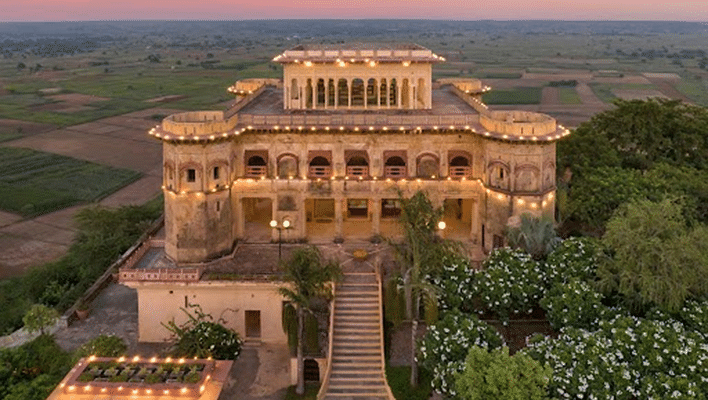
(536, 236)
(418, 253)
(308, 277)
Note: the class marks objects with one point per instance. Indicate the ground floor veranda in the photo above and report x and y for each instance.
(323, 219)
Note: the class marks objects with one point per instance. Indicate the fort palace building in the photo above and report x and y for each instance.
(323, 156)
(328, 149)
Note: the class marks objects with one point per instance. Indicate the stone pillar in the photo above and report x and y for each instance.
(338, 217)
(302, 216)
(388, 93)
(336, 92)
(399, 96)
(378, 93)
(375, 216)
(476, 228)
(274, 216)
(349, 93)
(314, 93)
(240, 218)
(366, 97)
(326, 93)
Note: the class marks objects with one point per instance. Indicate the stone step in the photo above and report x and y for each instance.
(351, 346)
(344, 307)
(357, 390)
(362, 367)
(364, 383)
(348, 396)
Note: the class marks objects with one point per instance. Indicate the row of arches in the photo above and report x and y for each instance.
(314, 93)
(523, 178)
(357, 165)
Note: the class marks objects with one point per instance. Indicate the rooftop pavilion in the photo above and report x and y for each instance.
(358, 53)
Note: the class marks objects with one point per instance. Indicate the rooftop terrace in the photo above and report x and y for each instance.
(358, 52)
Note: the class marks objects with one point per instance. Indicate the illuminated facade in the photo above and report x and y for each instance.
(329, 148)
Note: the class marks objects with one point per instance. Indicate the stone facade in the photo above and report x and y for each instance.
(332, 162)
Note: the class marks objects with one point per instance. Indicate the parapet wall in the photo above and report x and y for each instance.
(197, 123)
(518, 123)
(466, 85)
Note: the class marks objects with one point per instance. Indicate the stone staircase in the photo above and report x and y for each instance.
(357, 360)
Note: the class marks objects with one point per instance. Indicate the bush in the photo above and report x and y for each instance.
(574, 304)
(40, 317)
(574, 258)
(399, 380)
(627, 357)
(200, 337)
(495, 375)
(510, 283)
(443, 349)
(455, 284)
(102, 346)
(31, 371)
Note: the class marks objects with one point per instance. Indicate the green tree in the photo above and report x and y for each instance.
(39, 317)
(536, 236)
(496, 375)
(419, 252)
(640, 133)
(653, 258)
(307, 276)
(203, 337)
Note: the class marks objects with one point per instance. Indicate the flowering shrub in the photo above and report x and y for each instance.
(200, 337)
(695, 316)
(445, 345)
(574, 304)
(626, 358)
(510, 283)
(573, 258)
(455, 285)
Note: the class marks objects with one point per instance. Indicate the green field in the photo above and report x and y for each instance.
(694, 89)
(569, 96)
(34, 183)
(519, 95)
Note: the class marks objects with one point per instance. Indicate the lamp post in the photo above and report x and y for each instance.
(441, 227)
(284, 225)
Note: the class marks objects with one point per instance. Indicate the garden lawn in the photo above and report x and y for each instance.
(569, 96)
(519, 95)
(34, 182)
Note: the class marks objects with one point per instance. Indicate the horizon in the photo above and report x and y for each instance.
(434, 10)
(356, 19)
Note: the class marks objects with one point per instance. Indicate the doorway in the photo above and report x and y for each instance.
(253, 323)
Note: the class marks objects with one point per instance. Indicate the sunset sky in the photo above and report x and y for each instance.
(81, 10)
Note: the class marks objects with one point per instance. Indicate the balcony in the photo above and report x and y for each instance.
(320, 171)
(395, 171)
(256, 171)
(357, 171)
(460, 172)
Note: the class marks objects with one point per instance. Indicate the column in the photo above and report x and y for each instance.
(240, 218)
(338, 220)
(388, 92)
(399, 96)
(302, 217)
(336, 92)
(326, 93)
(349, 93)
(378, 93)
(366, 96)
(375, 216)
(314, 93)
(475, 229)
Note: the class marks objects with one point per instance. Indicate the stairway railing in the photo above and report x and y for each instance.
(325, 382)
(381, 337)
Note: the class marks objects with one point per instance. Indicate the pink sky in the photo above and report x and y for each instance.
(73, 10)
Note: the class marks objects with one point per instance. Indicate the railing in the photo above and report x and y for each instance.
(460, 172)
(162, 274)
(357, 171)
(378, 272)
(320, 171)
(256, 171)
(394, 171)
(347, 120)
(325, 381)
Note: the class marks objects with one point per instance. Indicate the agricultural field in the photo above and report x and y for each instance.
(519, 95)
(34, 183)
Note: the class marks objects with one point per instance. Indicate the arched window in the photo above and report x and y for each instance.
(287, 167)
(358, 92)
(382, 92)
(499, 176)
(320, 167)
(357, 167)
(342, 93)
(320, 93)
(294, 90)
(395, 167)
(371, 92)
(428, 166)
(256, 167)
(460, 167)
(393, 93)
